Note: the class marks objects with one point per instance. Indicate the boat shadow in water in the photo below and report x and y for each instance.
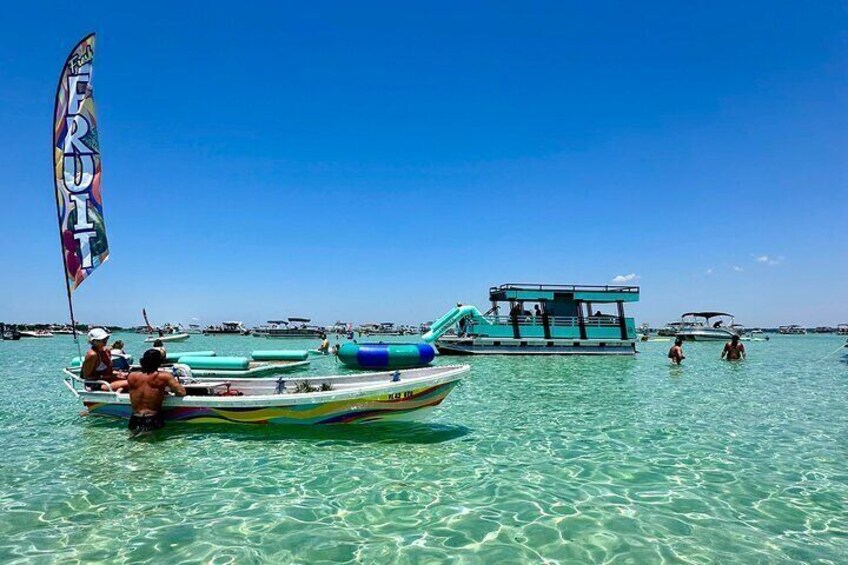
(326, 435)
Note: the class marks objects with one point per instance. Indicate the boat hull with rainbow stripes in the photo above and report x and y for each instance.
(339, 399)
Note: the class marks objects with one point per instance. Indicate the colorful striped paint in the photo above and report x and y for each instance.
(359, 410)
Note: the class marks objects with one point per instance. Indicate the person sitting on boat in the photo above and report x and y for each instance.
(676, 352)
(733, 350)
(325, 345)
(718, 324)
(97, 365)
(515, 311)
(120, 360)
(160, 347)
(147, 392)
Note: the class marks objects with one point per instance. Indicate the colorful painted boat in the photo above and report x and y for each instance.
(355, 399)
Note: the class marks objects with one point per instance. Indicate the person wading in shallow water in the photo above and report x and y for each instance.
(147, 392)
(733, 350)
(676, 352)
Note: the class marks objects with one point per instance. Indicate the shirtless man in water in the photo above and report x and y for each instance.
(147, 391)
(676, 352)
(733, 350)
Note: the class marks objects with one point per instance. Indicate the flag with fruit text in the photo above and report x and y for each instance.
(76, 161)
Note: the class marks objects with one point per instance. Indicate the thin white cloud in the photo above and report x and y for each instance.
(769, 260)
(621, 279)
(708, 271)
(737, 268)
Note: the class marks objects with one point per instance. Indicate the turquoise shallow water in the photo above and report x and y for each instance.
(530, 459)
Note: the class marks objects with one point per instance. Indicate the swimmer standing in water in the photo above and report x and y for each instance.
(733, 350)
(676, 352)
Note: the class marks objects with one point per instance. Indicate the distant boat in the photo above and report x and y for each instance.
(670, 329)
(295, 328)
(697, 327)
(168, 338)
(387, 329)
(35, 333)
(755, 335)
(842, 329)
(227, 328)
(792, 329)
(262, 331)
(339, 328)
(9, 333)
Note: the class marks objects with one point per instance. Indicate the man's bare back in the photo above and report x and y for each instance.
(147, 391)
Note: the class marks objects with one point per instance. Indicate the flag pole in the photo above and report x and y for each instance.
(56, 180)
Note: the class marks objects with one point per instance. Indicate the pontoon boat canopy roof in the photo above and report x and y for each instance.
(586, 293)
(299, 320)
(277, 322)
(707, 314)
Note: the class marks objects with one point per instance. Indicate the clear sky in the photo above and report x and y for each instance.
(381, 161)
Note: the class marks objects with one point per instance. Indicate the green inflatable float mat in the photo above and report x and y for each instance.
(217, 363)
(174, 356)
(280, 355)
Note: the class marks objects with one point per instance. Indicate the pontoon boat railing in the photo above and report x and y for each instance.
(564, 287)
(555, 321)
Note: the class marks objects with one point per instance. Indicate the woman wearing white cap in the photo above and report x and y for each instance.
(97, 365)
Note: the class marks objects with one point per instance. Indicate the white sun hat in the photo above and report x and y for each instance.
(98, 334)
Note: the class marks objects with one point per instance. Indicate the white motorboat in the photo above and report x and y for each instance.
(35, 333)
(165, 338)
(698, 326)
(755, 335)
(792, 329)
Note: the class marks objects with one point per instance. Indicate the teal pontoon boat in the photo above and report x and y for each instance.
(540, 319)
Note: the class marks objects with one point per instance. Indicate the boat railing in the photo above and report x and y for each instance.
(564, 287)
(72, 379)
(556, 321)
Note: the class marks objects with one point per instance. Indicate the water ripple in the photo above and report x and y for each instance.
(530, 460)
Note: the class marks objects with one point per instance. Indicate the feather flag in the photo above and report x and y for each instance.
(76, 161)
